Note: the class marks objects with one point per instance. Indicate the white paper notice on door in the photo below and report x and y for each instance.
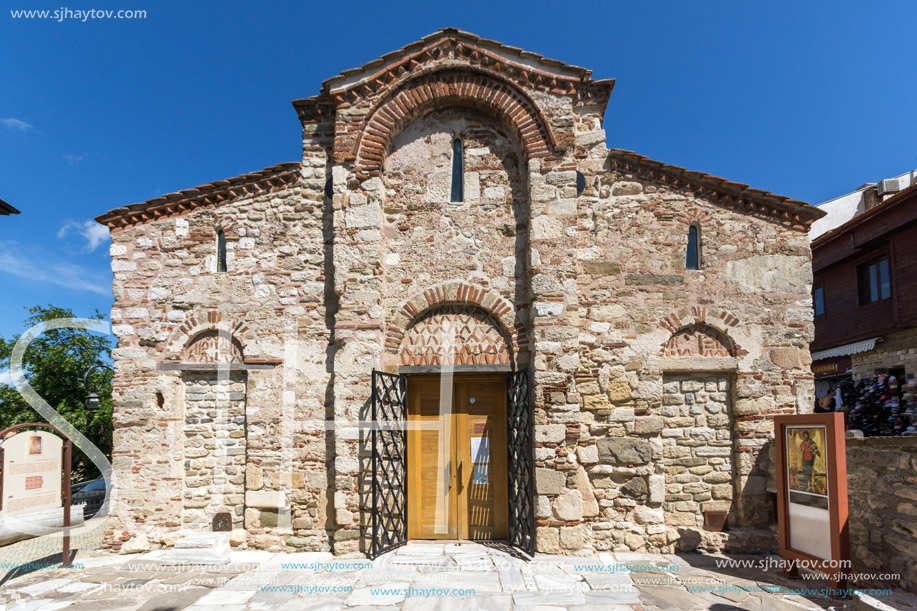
(479, 475)
(480, 449)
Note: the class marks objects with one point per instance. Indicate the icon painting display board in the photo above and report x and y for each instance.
(812, 492)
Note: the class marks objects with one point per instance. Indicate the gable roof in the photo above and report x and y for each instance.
(270, 179)
(522, 59)
(739, 196)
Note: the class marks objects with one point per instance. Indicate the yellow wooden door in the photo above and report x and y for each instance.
(431, 469)
(481, 458)
(457, 479)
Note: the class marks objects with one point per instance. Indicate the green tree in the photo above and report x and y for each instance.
(54, 365)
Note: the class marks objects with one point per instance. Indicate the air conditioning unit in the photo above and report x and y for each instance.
(887, 186)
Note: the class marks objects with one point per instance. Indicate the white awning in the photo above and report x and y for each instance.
(854, 348)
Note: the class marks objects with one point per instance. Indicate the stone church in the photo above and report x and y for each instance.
(459, 316)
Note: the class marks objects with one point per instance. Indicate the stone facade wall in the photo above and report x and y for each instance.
(564, 256)
(882, 500)
(214, 449)
(896, 350)
(271, 301)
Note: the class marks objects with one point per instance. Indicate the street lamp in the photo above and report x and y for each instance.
(92, 399)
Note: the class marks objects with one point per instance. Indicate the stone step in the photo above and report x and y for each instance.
(199, 548)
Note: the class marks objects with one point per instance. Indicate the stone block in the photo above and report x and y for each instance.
(635, 489)
(656, 489)
(624, 451)
(647, 515)
(269, 499)
(788, 358)
(648, 425)
(550, 433)
(627, 188)
(587, 455)
(573, 537)
(549, 481)
(619, 391)
(568, 507)
(542, 507)
(590, 504)
(547, 540)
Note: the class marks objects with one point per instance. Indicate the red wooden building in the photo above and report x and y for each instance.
(865, 292)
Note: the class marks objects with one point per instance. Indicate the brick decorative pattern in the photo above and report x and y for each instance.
(697, 341)
(236, 337)
(455, 335)
(493, 316)
(213, 347)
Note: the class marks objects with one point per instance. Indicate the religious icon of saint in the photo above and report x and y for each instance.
(809, 450)
(35, 444)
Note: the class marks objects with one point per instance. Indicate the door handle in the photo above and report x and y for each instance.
(461, 484)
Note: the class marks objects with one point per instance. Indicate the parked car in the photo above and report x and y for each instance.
(90, 494)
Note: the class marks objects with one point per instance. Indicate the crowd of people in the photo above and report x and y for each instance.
(875, 406)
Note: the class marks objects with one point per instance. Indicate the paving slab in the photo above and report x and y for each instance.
(560, 582)
(169, 601)
(480, 582)
(561, 599)
(302, 604)
(665, 598)
(612, 597)
(367, 596)
(460, 603)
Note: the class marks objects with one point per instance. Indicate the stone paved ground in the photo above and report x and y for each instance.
(258, 580)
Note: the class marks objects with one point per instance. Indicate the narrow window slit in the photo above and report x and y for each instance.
(693, 257)
(458, 171)
(221, 251)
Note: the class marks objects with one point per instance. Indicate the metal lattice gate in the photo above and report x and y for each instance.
(389, 457)
(520, 445)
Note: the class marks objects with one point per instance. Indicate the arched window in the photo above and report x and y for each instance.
(692, 260)
(458, 171)
(221, 251)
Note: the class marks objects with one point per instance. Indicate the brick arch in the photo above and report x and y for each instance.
(444, 89)
(716, 324)
(203, 322)
(456, 293)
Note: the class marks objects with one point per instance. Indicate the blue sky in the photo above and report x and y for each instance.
(807, 99)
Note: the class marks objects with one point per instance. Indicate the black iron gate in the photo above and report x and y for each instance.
(520, 436)
(389, 477)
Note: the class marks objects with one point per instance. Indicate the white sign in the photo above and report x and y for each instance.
(32, 472)
(480, 449)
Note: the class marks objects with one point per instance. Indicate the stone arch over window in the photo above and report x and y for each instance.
(449, 88)
(207, 332)
(486, 329)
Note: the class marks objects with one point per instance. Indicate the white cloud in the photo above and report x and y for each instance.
(94, 233)
(35, 265)
(16, 124)
(74, 159)
(6, 378)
